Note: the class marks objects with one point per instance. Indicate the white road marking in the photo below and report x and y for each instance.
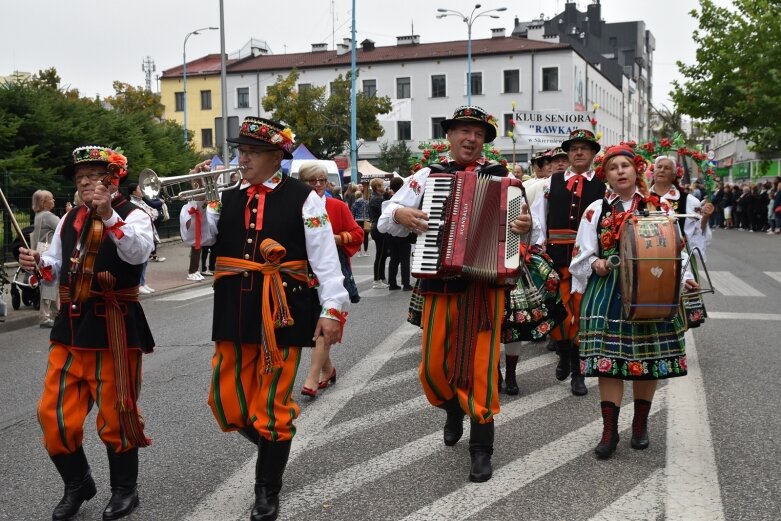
(724, 315)
(775, 275)
(399, 410)
(691, 474)
(728, 284)
(642, 503)
(232, 499)
(472, 498)
(187, 295)
(335, 485)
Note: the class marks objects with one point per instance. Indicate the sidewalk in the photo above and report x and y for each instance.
(163, 277)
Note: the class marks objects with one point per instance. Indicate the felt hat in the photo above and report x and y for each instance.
(472, 114)
(556, 152)
(582, 135)
(95, 154)
(261, 132)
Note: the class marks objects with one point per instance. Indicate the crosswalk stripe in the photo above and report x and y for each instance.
(410, 374)
(726, 315)
(642, 503)
(473, 498)
(335, 485)
(230, 500)
(728, 284)
(775, 275)
(187, 295)
(399, 410)
(692, 476)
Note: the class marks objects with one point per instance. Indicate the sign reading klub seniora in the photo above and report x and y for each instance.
(548, 129)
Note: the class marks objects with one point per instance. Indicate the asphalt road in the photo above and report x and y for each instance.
(370, 447)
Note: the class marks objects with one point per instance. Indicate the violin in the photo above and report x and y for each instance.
(89, 244)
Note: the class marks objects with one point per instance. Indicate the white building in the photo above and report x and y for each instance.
(426, 82)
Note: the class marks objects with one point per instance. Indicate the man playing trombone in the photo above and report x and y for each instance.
(274, 245)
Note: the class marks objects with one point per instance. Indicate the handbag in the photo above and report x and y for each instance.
(367, 226)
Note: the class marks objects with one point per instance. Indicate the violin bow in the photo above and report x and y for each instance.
(17, 228)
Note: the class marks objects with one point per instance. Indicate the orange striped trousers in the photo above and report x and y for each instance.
(75, 380)
(481, 402)
(241, 394)
(568, 328)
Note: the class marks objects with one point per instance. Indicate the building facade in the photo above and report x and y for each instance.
(735, 162)
(426, 82)
(204, 99)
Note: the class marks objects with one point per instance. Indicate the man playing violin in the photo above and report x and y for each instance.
(97, 254)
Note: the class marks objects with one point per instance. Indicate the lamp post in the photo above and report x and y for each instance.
(184, 73)
(469, 20)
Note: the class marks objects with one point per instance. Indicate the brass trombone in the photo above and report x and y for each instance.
(198, 185)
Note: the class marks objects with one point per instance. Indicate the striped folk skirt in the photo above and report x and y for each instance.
(616, 348)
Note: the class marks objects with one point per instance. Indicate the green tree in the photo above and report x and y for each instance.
(395, 157)
(130, 100)
(322, 122)
(734, 84)
(40, 125)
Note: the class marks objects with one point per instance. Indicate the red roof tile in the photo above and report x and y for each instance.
(425, 51)
(209, 64)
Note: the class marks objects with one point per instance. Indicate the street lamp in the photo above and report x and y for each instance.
(469, 20)
(184, 73)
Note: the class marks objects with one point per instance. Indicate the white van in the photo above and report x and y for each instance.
(330, 166)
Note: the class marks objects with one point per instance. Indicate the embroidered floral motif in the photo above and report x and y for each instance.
(575, 251)
(662, 368)
(275, 179)
(589, 215)
(606, 239)
(414, 186)
(316, 221)
(213, 206)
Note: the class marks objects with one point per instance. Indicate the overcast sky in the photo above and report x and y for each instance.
(91, 43)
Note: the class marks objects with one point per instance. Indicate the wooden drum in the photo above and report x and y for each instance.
(650, 267)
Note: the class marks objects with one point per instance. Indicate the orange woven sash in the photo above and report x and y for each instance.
(274, 309)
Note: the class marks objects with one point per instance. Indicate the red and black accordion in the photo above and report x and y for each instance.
(469, 228)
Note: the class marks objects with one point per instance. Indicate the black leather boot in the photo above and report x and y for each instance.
(79, 486)
(511, 362)
(607, 445)
(640, 425)
(563, 367)
(577, 382)
(501, 380)
(250, 434)
(272, 460)
(123, 468)
(481, 447)
(454, 425)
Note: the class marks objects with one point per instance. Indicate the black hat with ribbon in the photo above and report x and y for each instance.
(472, 114)
(261, 132)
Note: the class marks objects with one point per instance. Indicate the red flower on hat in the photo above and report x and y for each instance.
(94, 153)
(467, 112)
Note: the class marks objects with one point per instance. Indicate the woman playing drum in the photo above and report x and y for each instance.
(611, 347)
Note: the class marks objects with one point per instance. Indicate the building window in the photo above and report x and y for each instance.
(512, 81)
(207, 138)
(477, 83)
(438, 86)
(179, 99)
(404, 130)
(436, 128)
(206, 100)
(550, 78)
(403, 88)
(508, 123)
(242, 97)
(304, 86)
(370, 88)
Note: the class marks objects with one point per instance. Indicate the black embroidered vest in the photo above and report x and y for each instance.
(564, 212)
(237, 298)
(84, 325)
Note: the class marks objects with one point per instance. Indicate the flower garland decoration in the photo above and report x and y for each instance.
(650, 150)
(437, 152)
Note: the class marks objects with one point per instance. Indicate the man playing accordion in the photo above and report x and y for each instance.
(460, 354)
